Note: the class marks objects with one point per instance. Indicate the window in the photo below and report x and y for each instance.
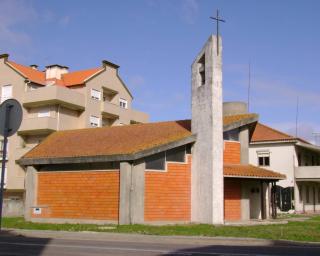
(95, 94)
(318, 195)
(94, 121)
(232, 135)
(45, 112)
(156, 162)
(264, 161)
(176, 154)
(123, 103)
(299, 160)
(6, 92)
(263, 158)
(307, 195)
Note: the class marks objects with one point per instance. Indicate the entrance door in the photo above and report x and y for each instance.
(255, 201)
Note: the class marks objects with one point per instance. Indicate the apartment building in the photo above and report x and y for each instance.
(56, 99)
(298, 159)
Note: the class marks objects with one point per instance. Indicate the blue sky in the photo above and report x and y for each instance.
(155, 42)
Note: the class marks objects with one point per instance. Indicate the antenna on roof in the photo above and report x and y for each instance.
(297, 115)
(249, 86)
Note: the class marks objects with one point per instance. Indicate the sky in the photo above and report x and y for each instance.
(155, 42)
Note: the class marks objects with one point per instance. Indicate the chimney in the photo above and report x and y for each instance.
(207, 187)
(55, 71)
(4, 56)
(106, 63)
(34, 66)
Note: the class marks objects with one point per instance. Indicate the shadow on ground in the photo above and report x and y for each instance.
(14, 244)
(275, 248)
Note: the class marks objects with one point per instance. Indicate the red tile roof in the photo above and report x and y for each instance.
(115, 140)
(109, 141)
(250, 171)
(78, 77)
(264, 133)
(30, 73)
(69, 79)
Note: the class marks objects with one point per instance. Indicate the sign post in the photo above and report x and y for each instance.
(10, 120)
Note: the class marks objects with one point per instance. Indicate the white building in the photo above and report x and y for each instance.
(297, 159)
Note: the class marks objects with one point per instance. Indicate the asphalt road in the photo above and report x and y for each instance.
(94, 244)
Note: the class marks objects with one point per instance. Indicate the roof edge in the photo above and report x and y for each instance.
(107, 158)
(240, 123)
(253, 177)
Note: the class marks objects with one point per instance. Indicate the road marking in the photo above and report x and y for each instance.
(129, 249)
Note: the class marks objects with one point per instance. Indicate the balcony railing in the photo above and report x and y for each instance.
(54, 95)
(307, 173)
(138, 117)
(38, 125)
(125, 116)
(110, 110)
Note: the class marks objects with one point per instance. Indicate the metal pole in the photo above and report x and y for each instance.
(4, 157)
(217, 32)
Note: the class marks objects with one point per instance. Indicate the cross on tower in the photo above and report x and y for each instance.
(218, 19)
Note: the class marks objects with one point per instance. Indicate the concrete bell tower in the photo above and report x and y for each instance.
(207, 191)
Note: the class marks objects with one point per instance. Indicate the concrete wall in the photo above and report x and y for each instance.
(207, 163)
(234, 108)
(15, 174)
(251, 199)
(301, 203)
(283, 159)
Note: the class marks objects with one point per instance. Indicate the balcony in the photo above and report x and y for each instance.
(54, 95)
(38, 125)
(138, 117)
(307, 173)
(110, 110)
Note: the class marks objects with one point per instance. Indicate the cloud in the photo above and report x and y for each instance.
(305, 130)
(189, 11)
(278, 94)
(65, 20)
(13, 13)
(137, 81)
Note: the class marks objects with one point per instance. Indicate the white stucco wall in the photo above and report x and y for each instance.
(282, 159)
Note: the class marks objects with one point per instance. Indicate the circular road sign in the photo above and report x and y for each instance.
(15, 116)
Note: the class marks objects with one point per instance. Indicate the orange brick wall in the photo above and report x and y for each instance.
(79, 195)
(232, 199)
(231, 152)
(168, 194)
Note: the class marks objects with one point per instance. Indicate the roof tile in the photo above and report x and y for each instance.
(250, 171)
(69, 79)
(265, 133)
